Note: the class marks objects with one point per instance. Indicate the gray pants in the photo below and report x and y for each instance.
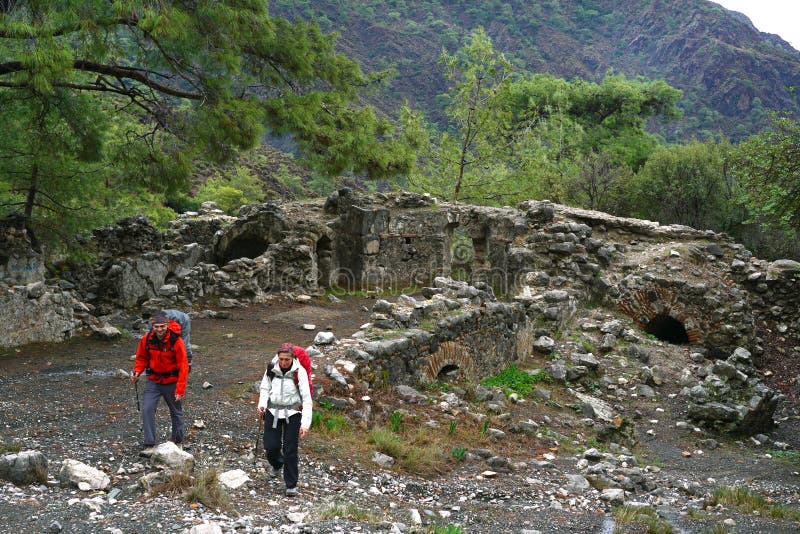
(152, 393)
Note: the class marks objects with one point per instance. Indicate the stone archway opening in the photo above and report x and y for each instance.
(448, 373)
(667, 328)
(246, 246)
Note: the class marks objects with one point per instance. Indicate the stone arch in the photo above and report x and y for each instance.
(667, 328)
(248, 245)
(450, 356)
(658, 311)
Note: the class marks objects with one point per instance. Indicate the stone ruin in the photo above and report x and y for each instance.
(678, 284)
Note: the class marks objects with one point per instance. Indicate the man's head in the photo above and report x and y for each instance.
(160, 323)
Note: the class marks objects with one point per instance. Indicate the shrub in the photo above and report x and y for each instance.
(514, 380)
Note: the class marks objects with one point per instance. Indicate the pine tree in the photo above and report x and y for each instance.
(132, 92)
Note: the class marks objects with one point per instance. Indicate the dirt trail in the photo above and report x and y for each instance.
(64, 400)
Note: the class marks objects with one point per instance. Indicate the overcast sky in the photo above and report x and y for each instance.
(772, 16)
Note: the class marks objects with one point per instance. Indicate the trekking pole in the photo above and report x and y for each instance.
(136, 389)
(258, 437)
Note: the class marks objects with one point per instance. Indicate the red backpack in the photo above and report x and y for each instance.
(303, 358)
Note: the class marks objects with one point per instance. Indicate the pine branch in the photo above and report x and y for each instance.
(117, 71)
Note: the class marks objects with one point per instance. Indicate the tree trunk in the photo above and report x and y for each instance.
(29, 203)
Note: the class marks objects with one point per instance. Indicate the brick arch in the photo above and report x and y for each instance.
(651, 302)
(450, 353)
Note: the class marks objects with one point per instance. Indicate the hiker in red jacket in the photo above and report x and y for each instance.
(161, 355)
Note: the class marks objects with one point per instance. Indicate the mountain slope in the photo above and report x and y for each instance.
(729, 71)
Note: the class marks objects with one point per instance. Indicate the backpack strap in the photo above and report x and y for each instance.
(152, 340)
(271, 374)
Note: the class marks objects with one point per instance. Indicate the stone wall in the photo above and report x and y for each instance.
(687, 285)
(36, 312)
(460, 330)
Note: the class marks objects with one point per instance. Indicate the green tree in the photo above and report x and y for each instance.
(612, 114)
(465, 162)
(768, 167)
(134, 91)
(512, 138)
(600, 184)
(688, 184)
(230, 190)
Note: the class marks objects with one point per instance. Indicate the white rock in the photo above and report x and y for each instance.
(613, 495)
(77, 473)
(170, 455)
(324, 338)
(234, 479)
(296, 517)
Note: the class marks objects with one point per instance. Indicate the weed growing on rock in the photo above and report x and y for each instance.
(203, 488)
(327, 420)
(419, 455)
(452, 429)
(515, 380)
(208, 491)
(458, 453)
(396, 421)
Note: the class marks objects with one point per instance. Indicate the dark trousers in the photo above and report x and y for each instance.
(152, 393)
(287, 431)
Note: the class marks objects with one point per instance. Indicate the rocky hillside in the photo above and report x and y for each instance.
(729, 71)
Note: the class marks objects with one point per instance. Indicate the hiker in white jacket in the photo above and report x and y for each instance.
(285, 403)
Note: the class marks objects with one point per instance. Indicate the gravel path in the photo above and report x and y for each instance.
(66, 401)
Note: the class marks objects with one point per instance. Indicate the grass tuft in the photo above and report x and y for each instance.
(646, 516)
(417, 455)
(328, 420)
(345, 510)
(790, 457)
(208, 491)
(743, 498)
(203, 488)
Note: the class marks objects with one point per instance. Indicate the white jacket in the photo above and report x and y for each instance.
(281, 396)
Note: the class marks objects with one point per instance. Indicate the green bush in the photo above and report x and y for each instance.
(515, 380)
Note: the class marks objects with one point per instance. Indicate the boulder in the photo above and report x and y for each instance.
(24, 468)
(84, 477)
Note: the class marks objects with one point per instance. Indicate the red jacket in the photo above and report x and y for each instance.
(165, 358)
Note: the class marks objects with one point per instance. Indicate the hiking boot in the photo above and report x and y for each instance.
(275, 472)
(146, 450)
(291, 492)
